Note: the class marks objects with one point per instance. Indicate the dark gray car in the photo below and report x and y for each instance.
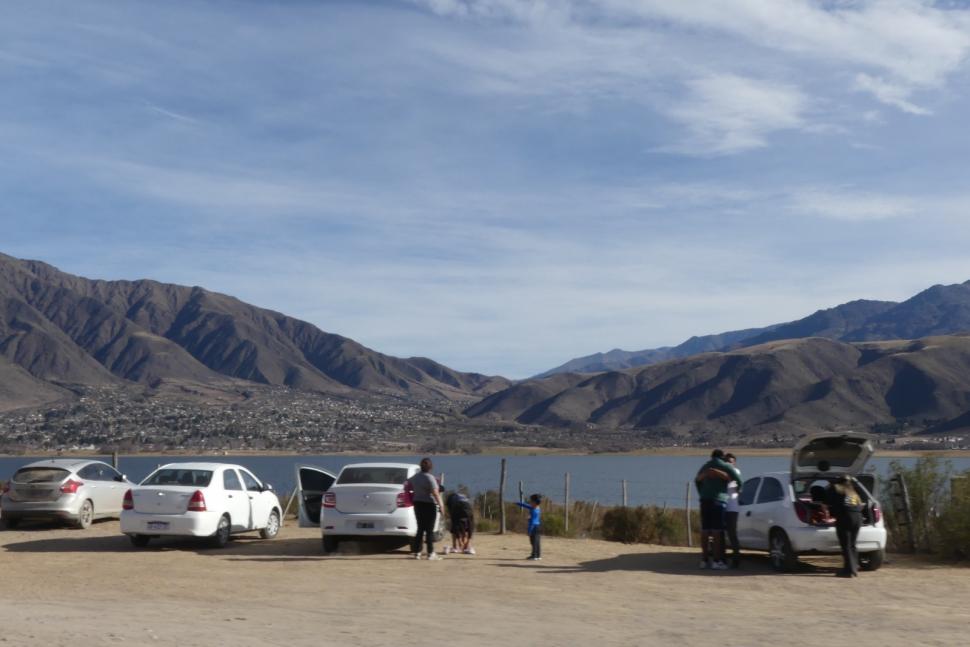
(71, 489)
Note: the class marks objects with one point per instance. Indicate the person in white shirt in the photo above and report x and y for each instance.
(731, 515)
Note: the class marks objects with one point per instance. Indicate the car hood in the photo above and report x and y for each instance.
(831, 454)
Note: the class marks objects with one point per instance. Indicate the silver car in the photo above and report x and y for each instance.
(71, 489)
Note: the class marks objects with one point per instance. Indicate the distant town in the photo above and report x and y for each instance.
(106, 419)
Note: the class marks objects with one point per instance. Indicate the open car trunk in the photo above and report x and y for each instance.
(311, 483)
(830, 454)
(810, 501)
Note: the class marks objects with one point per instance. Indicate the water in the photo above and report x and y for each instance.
(655, 480)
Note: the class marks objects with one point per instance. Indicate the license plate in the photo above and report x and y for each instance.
(365, 525)
(158, 525)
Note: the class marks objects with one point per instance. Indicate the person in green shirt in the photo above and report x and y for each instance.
(711, 482)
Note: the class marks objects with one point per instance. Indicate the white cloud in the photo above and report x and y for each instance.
(851, 206)
(729, 114)
(892, 94)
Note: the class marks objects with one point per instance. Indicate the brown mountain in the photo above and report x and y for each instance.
(784, 385)
(65, 329)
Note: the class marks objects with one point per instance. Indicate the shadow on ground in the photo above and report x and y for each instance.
(242, 547)
(675, 563)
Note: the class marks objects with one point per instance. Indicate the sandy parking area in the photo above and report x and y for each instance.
(72, 587)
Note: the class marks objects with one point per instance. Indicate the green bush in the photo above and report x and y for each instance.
(941, 518)
(647, 525)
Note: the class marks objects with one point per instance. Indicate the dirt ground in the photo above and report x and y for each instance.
(71, 587)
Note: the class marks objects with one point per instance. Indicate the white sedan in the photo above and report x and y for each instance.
(213, 500)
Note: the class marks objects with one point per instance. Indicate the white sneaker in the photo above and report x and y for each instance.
(704, 564)
(469, 551)
(417, 555)
(719, 566)
(435, 556)
(449, 550)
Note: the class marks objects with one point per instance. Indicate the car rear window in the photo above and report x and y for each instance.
(40, 475)
(175, 476)
(391, 475)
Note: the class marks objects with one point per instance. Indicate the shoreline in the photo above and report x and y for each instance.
(496, 452)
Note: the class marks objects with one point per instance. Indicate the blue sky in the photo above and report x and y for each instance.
(500, 185)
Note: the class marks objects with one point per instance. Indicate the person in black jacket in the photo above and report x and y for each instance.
(845, 504)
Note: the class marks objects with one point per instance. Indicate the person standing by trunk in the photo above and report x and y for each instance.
(845, 505)
(426, 496)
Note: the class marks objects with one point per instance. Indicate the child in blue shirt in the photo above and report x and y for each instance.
(535, 527)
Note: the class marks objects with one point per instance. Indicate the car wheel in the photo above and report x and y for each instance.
(330, 544)
(139, 541)
(871, 560)
(85, 515)
(272, 525)
(221, 536)
(782, 556)
(10, 523)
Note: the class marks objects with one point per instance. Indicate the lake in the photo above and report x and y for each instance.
(654, 480)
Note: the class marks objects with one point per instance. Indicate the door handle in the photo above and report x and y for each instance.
(748, 513)
(230, 496)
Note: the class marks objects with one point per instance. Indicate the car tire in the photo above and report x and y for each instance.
(11, 523)
(272, 525)
(871, 560)
(85, 515)
(220, 538)
(783, 558)
(330, 544)
(438, 535)
(139, 541)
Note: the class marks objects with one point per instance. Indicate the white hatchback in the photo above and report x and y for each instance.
(213, 500)
(365, 500)
(781, 512)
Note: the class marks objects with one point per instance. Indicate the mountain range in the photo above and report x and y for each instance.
(58, 330)
(939, 310)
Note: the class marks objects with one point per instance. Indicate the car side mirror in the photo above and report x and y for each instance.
(267, 487)
(121, 478)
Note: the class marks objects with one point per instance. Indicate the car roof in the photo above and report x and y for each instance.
(199, 466)
(402, 465)
(63, 463)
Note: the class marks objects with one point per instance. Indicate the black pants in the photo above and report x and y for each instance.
(847, 529)
(731, 526)
(535, 538)
(426, 514)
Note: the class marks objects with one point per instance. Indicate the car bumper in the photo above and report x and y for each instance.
(65, 508)
(825, 540)
(369, 525)
(190, 524)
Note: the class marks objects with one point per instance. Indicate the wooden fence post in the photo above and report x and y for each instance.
(114, 459)
(690, 533)
(565, 513)
(501, 499)
(624, 492)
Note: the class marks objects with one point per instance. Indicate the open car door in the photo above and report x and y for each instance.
(311, 483)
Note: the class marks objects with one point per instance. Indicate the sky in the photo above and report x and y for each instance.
(499, 185)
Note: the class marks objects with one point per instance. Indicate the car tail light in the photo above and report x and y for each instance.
(70, 486)
(876, 515)
(329, 500)
(404, 500)
(197, 502)
(128, 503)
(802, 511)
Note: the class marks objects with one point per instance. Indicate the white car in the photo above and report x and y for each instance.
(780, 512)
(213, 500)
(365, 500)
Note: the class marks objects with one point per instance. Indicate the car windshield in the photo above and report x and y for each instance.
(40, 475)
(389, 475)
(177, 476)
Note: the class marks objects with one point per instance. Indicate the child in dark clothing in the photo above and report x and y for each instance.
(535, 525)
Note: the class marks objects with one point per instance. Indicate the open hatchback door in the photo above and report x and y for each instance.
(311, 483)
(831, 454)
